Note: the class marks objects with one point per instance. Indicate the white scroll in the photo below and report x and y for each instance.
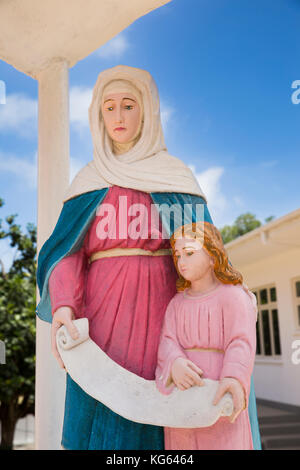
(131, 396)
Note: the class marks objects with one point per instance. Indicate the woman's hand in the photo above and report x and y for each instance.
(186, 374)
(229, 384)
(62, 316)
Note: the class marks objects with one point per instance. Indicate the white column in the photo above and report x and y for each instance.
(53, 178)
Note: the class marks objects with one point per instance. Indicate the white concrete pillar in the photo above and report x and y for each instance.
(53, 178)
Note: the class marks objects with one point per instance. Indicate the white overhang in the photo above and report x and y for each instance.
(34, 33)
(278, 236)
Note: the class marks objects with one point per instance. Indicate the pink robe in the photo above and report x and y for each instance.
(225, 320)
(123, 297)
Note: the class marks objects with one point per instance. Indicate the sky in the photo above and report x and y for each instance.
(228, 75)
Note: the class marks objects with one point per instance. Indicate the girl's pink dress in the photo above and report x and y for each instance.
(124, 297)
(225, 320)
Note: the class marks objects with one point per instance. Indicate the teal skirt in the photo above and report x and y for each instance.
(89, 425)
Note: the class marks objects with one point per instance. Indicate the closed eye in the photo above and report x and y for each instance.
(188, 253)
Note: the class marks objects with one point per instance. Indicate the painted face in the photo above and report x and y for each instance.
(121, 114)
(193, 261)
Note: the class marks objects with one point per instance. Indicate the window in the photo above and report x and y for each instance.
(296, 296)
(267, 326)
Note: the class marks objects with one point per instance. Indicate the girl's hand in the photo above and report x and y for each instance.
(229, 384)
(186, 374)
(62, 316)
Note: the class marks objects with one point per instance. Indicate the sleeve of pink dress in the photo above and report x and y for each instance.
(66, 282)
(169, 349)
(239, 338)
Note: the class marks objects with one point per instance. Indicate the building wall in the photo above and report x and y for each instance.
(278, 379)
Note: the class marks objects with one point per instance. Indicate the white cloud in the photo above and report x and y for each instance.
(26, 171)
(166, 112)
(80, 100)
(75, 165)
(210, 183)
(19, 115)
(114, 48)
(268, 163)
(7, 254)
(21, 167)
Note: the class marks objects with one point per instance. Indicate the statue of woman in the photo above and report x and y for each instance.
(109, 259)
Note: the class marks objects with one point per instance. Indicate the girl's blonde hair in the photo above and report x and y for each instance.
(210, 238)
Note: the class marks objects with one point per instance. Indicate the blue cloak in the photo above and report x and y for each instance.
(67, 237)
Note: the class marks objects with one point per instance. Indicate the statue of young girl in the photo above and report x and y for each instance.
(208, 332)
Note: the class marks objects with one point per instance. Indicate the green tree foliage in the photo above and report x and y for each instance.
(17, 328)
(244, 223)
